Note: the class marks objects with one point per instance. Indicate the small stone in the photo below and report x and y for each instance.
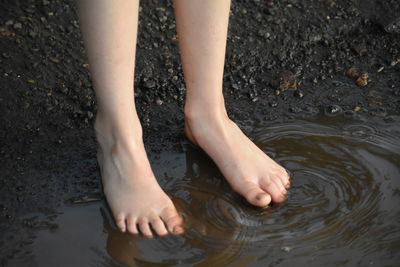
(174, 37)
(159, 102)
(32, 34)
(375, 104)
(17, 25)
(235, 86)
(273, 104)
(298, 93)
(362, 80)
(295, 109)
(315, 38)
(284, 85)
(352, 72)
(286, 249)
(53, 59)
(357, 108)
(150, 83)
(333, 109)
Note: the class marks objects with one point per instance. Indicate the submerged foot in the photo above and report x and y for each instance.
(137, 201)
(249, 171)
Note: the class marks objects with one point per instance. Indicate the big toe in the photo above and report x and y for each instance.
(254, 194)
(172, 220)
(274, 189)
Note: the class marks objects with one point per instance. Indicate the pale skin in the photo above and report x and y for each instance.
(138, 203)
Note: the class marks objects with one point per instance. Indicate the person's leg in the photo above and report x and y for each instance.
(138, 203)
(202, 32)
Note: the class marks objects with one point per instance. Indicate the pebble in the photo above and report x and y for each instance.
(362, 80)
(17, 25)
(352, 72)
(295, 109)
(90, 114)
(298, 93)
(333, 109)
(273, 104)
(150, 83)
(53, 59)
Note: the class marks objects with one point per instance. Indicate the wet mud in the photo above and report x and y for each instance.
(342, 208)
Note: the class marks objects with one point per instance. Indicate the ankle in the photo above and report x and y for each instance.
(111, 133)
(196, 113)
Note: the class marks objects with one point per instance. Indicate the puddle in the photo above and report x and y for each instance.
(343, 207)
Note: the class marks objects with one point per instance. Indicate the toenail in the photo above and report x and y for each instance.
(178, 229)
(261, 196)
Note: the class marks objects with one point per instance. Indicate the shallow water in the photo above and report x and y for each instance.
(342, 209)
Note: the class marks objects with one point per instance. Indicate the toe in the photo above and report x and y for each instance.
(158, 226)
(280, 186)
(274, 189)
(145, 228)
(285, 178)
(120, 221)
(254, 194)
(132, 225)
(172, 220)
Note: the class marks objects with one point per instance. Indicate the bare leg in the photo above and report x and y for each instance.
(138, 203)
(202, 29)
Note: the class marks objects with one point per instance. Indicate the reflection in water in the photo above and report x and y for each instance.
(343, 207)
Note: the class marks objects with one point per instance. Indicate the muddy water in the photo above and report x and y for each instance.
(343, 207)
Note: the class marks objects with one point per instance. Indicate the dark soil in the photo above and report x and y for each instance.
(284, 58)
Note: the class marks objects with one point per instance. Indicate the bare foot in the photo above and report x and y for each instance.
(137, 201)
(248, 170)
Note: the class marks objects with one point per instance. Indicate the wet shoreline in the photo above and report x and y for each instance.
(333, 212)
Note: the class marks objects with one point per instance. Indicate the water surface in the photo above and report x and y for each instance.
(343, 207)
